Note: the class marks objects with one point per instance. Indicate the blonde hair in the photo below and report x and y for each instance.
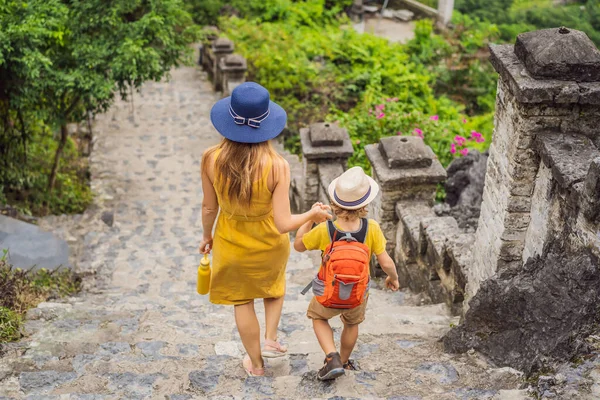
(237, 166)
(343, 213)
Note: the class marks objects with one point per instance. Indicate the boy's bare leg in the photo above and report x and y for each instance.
(349, 337)
(324, 335)
(247, 324)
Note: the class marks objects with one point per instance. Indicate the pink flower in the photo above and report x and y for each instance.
(399, 133)
(459, 140)
(388, 99)
(434, 118)
(380, 107)
(475, 134)
(357, 142)
(480, 139)
(381, 115)
(464, 151)
(395, 99)
(464, 120)
(452, 148)
(370, 111)
(418, 132)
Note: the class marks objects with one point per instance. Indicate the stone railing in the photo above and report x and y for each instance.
(225, 69)
(325, 152)
(431, 252)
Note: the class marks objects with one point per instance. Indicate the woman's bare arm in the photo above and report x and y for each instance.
(210, 210)
(285, 221)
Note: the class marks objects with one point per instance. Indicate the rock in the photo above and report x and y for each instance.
(387, 14)
(466, 177)
(445, 373)
(504, 321)
(228, 349)
(467, 217)
(108, 217)
(44, 380)
(404, 15)
(370, 9)
(205, 380)
(28, 246)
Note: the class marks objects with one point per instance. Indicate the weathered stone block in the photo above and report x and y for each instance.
(511, 250)
(459, 253)
(519, 204)
(328, 172)
(326, 134)
(432, 237)
(325, 152)
(562, 53)
(405, 152)
(407, 236)
(389, 177)
(527, 89)
(517, 221)
(569, 156)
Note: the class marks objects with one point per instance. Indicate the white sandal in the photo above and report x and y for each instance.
(273, 349)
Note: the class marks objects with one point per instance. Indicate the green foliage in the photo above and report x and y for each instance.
(10, 325)
(61, 62)
(207, 12)
(26, 189)
(333, 73)
(22, 290)
(517, 16)
(458, 59)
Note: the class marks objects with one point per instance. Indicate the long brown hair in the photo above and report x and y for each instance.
(238, 166)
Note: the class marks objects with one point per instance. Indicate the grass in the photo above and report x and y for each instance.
(22, 290)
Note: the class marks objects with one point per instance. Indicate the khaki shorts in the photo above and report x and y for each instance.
(352, 316)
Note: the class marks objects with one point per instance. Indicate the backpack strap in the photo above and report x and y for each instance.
(360, 236)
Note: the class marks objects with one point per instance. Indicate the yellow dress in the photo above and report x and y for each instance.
(249, 254)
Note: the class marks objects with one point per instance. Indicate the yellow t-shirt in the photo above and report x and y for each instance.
(318, 238)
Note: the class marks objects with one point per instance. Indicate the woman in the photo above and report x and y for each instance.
(249, 182)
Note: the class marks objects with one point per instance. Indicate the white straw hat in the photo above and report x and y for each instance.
(353, 189)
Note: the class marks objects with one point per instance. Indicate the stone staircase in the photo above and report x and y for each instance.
(139, 330)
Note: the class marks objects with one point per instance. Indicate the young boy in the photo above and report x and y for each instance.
(349, 193)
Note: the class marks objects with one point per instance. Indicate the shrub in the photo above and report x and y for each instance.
(332, 72)
(22, 290)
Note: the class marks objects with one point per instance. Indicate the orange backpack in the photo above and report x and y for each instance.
(343, 279)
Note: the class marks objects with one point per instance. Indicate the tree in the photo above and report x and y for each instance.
(84, 51)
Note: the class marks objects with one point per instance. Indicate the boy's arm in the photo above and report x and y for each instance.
(389, 267)
(304, 229)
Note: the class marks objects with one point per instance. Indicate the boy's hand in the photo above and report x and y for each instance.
(320, 213)
(392, 284)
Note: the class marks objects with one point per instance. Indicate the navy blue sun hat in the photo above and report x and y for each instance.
(248, 115)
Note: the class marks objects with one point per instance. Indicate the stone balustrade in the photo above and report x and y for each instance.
(325, 151)
(225, 69)
(431, 252)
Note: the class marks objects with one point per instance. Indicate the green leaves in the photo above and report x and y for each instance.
(61, 61)
(325, 70)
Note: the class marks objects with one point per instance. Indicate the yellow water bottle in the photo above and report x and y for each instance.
(203, 284)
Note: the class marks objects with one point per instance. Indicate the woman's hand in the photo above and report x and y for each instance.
(320, 213)
(206, 245)
(392, 284)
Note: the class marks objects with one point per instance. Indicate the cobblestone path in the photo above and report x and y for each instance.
(140, 331)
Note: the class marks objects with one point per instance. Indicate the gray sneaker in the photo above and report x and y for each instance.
(332, 369)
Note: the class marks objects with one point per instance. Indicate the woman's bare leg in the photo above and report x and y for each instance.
(273, 309)
(247, 324)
